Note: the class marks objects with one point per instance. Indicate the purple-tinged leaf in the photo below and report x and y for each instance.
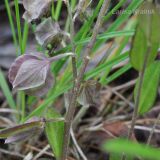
(21, 128)
(31, 74)
(42, 90)
(48, 32)
(35, 9)
(16, 65)
(23, 136)
(89, 93)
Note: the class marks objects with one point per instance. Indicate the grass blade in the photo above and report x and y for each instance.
(6, 91)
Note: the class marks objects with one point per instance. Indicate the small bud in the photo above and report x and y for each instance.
(36, 9)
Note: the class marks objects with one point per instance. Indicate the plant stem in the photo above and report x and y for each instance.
(12, 25)
(79, 8)
(137, 99)
(16, 2)
(71, 109)
(97, 26)
(153, 129)
(22, 105)
(55, 58)
(72, 105)
(72, 32)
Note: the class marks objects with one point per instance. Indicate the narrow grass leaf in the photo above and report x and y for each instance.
(11, 23)
(6, 91)
(58, 9)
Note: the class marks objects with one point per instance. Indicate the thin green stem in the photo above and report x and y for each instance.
(16, 3)
(22, 106)
(121, 2)
(25, 37)
(55, 58)
(53, 11)
(58, 10)
(22, 44)
(11, 25)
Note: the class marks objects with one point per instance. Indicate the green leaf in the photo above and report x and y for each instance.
(149, 87)
(147, 36)
(54, 132)
(118, 157)
(133, 149)
(6, 91)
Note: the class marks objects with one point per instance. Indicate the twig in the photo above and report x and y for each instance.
(79, 115)
(42, 152)
(77, 146)
(145, 128)
(11, 153)
(79, 8)
(72, 105)
(126, 85)
(153, 130)
(39, 150)
(121, 97)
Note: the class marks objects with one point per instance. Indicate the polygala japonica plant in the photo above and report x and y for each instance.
(58, 66)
